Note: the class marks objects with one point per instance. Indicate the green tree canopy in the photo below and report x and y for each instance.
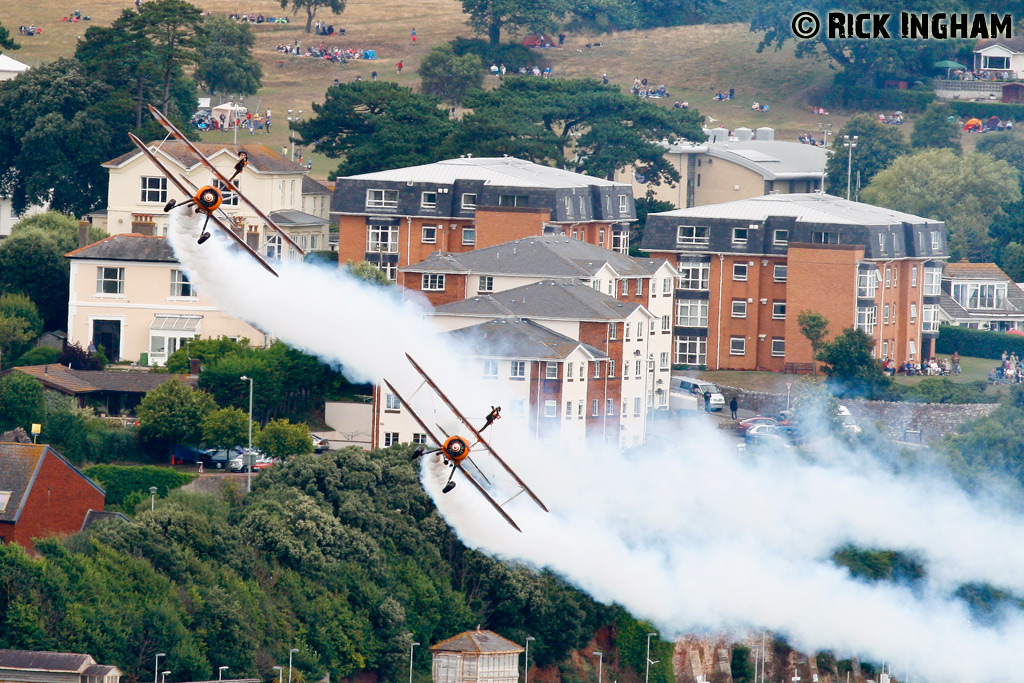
(21, 306)
(207, 351)
(937, 127)
(21, 401)
(173, 28)
(964, 191)
(852, 365)
(6, 42)
(63, 229)
(1004, 146)
(226, 428)
(20, 324)
(449, 76)
(491, 17)
(173, 413)
(813, 326)
(225, 62)
(282, 439)
(32, 263)
(368, 272)
(877, 146)
(311, 7)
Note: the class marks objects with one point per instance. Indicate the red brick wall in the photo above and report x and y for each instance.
(596, 334)
(57, 504)
(496, 225)
(454, 287)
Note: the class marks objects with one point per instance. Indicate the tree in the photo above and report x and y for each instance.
(1004, 146)
(311, 7)
(936, 127)
(1011, 260)
(33, 264)
(376, 125)
(740, 664)
(877, 147)
(173, 27)
(6, 42)
(367, 272)
(490, 17)
(20, 306)
(852, 365)
(226, 428)
(964, 191)
(449, 76)
(206, 351)
(14, 339)
(813, 326)
(281, 439)
(644, 207)
(225, 62)
(173, 413)
(21, 401)
(62, 228)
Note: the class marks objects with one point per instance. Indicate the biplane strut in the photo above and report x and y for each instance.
(455, 449)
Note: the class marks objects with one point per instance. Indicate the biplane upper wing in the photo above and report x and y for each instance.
(185, 191)
(477, 434)
(178, 135)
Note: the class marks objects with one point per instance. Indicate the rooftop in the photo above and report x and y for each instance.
(974, 271)
(262, 159)
(74, 382)
(547, 299)
(479, 641)
(127, 247)
(45, 661)
(521, 339)
(773, 159)
(19, 464)
(501, 171)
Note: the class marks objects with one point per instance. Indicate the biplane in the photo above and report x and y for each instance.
(454, 449)
(208, 198)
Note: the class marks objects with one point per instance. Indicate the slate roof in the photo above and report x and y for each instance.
(543, 256)
(482, 642)
(292, 218)
(974, 271)
(547, 299)
(45, 661)
(93, 516)
(128, 247)
(74, 382)
(1013, 304)
(502, 171)
(262, 159)
(520, 339)
(19, 465)
(310, 186)
(1015, 44)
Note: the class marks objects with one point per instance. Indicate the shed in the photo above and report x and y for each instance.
(29, 666)
(475, 656)
(1013, 93)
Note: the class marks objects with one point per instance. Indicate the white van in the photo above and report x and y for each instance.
(694, 389)
(849, 424)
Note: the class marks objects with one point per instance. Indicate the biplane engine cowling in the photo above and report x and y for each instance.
(209, 198)
(455, 449)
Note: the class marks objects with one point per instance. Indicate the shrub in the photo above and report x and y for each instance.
(860, 98)
(121, 481)
(984, 110)
(41, 355)
(978, 343)
(512, 55)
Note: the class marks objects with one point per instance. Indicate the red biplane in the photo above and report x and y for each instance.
(455, 449)
(208, 199)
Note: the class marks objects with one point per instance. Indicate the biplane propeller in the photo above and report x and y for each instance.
(455, 449)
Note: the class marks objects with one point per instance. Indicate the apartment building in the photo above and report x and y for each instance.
(748, 268)
(980, 296)
(398, 217)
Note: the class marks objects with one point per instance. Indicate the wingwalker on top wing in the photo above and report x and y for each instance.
(208, 199)
(455, 449)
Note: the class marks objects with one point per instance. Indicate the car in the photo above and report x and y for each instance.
(767, 440)
(263, 463)
(849, 424)
(743, 425)
(698, 388)
(320, 444)
(220, 459)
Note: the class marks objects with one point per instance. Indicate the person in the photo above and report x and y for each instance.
(956, 362)
(413, 36)
(734, 405)
(200, 466)
(604, 79)
(561, 39)
(92, 347)
(399, 66)
(707, 401)
(373, 75)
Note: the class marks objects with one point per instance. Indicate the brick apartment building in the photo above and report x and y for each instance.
(748, 268)
(399, 217)
(42, 494)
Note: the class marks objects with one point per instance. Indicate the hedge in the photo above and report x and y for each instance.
(122, 481)
(874, 99)
(978, 343)
(984, 110)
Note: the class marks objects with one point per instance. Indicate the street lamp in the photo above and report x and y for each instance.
(163, 676)
(220, 672)
(849, 144)
(156, 665)
(412, 648)
(290, 653)
(280, 674)
(600, 666)
(526, 671)
(152, 506)
(291, 133)
(248, 454)
(647, 671)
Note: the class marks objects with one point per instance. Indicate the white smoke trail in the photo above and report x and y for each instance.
(694, 538)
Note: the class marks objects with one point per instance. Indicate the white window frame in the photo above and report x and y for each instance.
(739, 237)
(778, 347)
(517, 369)
(693, 235)
(550, 370)
(391, 403)
(381, 199)
(737, 346)
(390, 439)
(490, 370)
(426, 203)
(181, 287)
(736, 272)
(550, 408)
(469, 236)
(692, 312)
(623, 203)
(428, 234)
(468, 203)
(153, 190)
(691, 350)
(666, 323)
(932, 281)
(739, 308)
(694, 275)
(486, 284)
(782, 268)
(109, 280)
(380, 239)
(780, 237)
(778, 314)
(432, 282)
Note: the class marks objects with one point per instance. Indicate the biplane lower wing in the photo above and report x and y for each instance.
(178, 135)
(185, 191)
(480, 437)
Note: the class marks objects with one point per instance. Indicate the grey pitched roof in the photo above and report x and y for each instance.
(547, 299)
(477, 641)
(127, 247)
(503, 171)
(310, 186)
(262, 159)
(19, 464)
(520, 339)
(94, 516)
(544, 256)
(74, 382)
(32, 660)
(291, 218)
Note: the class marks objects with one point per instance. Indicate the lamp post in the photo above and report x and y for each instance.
(152, 506)
(156, 664)
(290, 653)
(849, 143)
(220, 672)
(291, 134)
(647, 670)
(248, 453)
(163, 676)
(526, 671)
(280, 673)
(412, 648)
(600, 666)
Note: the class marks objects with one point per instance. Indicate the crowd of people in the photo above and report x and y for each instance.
(322, 28)
(500, 70)
(1009, 371)
(30, 30)
(980, 75)
(257, 18)
(808, 139)
(642, 90)
(933, 367)
(896, 119)
(819, 111)
(724, 96)
(989, 125)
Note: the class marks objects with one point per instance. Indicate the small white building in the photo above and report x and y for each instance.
(11, 68)
(30, 666)
(1003, 57)
(476, 657)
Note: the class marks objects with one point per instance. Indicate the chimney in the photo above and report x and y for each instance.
(83, 234)
(194, 366)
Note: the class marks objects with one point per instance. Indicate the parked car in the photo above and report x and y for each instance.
(743, 425)
(320, 444)
(263, 463)
(849, 424)
(220, 459)
(697, 388)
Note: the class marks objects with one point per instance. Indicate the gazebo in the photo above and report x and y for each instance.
(474, 657)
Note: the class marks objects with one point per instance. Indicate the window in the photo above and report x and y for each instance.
(639, 331)
(583, 371)
(936, 240)
(568, 410)
(429, 234)
(781, 237)
(885, 314)
(625, 334)
(382, 239)
(579, 409)
(469, 236)
(611, 368)
(273, 245)
(625, 408)
(389, 269)
(932, 281)
(623, 203)
(382, 199)
(639, 286)
(419, 437)
(428, 200)
(888, 277)
(228, 191)
(609, 407)
(568, 206)
(663, 361)
(613, 331)
(867, 281)
(468, 201)
(778, 347)
(739, 308)
(692, 235)
(881, 241)
(180, 286)
(739, 272)
(625, 287)
(977, 295)
(653, 325)
(867, 316)
(737, 346)
(486, 283)
(597, 369)
(912, 349)
(995, 62)
(568, 372)
(154, 190)
(392, 403)
(432, 282)
(512, 200)
(638, 406)
(739, 236)
(781, 270)
(666, 286)
(895, 275)
(517, 406)
(666, 323)
(550, 409)
(490, 369)
(390, 439)
(913, 276)
(778, 310)
(595, 407)
(551, 370)
(913, 313)
(691, 350)
(639, 365)
(518, 369)
(930, 318)
(694, 275)
(822, 237)
(692, 313)
(109, 280)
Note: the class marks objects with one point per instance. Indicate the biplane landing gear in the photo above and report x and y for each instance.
(448, 487)
(205, 236)
(170, 205)
(420, 450)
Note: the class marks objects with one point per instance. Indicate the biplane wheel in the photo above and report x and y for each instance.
(170, 205)
(205, 236)
(418, 452)
(448, 487)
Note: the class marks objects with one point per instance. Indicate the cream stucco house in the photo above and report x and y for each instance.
(129, 295)
(297, 203)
